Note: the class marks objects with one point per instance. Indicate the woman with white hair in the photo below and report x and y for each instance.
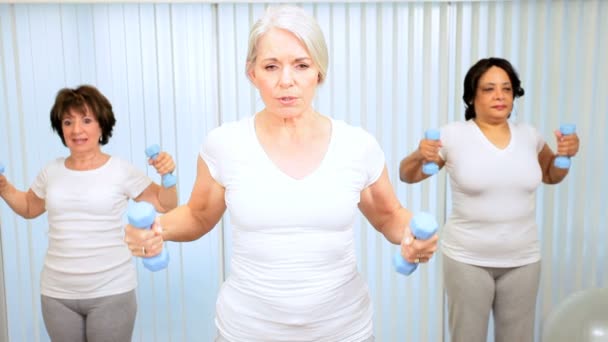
(292, 180)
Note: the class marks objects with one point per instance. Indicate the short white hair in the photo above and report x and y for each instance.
(299, 23)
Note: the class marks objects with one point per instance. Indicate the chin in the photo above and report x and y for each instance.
(288, 113)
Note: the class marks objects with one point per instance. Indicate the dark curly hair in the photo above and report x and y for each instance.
(471, 81)
(79, 99)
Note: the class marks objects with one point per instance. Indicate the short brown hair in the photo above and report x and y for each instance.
(79, 99)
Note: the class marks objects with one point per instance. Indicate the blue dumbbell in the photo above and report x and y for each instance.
(423, 226)
(431, 168)
(141, 215)
(168, 179)
(564, 162)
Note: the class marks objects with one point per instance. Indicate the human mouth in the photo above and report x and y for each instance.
(287, 100)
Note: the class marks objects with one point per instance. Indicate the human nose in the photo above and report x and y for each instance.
(286, 77)
(76, 126)
(499, 94)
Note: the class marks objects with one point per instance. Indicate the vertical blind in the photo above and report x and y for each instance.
(175, 71)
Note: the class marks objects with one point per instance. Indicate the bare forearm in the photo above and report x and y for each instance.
(167, 197)
(553, 174)
(394, 228)
(181, 224)
(410, 169)
(17, 201)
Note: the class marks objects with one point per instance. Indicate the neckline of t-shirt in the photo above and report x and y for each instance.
(277, 169)
(489, 143)
(100, 168)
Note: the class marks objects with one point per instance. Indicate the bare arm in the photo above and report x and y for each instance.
(380, 206)
(410, 168)
(24, 204)
(203, 211)
(187, 222)
(162, 198)
(567, 145)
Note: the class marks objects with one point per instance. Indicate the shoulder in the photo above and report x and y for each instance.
(352, 134)
(523, 127)
(118, 163)
(231, 128)
(229, 136)
(530, 134)
(456, 129)
(229, 131)
(457, 126)
(55, 164)
(527, 130)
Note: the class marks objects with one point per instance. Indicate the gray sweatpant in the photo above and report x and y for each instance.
(474, 291)
(103, 319)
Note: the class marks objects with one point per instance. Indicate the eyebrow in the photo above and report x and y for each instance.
(492, 83)
(69, 115)
(299, 59)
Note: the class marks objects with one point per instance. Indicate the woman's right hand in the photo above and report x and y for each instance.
(144, 243)
(429, 150)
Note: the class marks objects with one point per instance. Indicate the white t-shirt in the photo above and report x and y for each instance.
(493, 196)
(86, 256)
(294, 271)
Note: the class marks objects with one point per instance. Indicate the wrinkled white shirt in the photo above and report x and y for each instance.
(293, 270)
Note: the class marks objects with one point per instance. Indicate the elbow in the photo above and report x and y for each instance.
(405, 178)
(29, 216)
(547, 180)
(407, 173)
(166, 207)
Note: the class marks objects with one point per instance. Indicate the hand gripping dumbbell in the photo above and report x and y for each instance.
(168, 179)
(431, 168)
(423, 226)
(564, 162)
(141, 215)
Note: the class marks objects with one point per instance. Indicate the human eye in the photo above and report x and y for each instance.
(303, 66)
(66, 122)
(270, 67)
(88, 120)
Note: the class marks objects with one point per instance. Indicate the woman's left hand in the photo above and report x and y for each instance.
(567, 145)
(163, 163)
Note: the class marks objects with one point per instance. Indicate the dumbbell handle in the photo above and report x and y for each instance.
(423, 226)
(168, 179)
(141, 215)
(431, 168)
(564, 162)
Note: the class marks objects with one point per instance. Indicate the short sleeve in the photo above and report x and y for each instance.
(374, 159)
(40, 183)
(211, 150)
(136, 181)
(444, 136)
(538, 138)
